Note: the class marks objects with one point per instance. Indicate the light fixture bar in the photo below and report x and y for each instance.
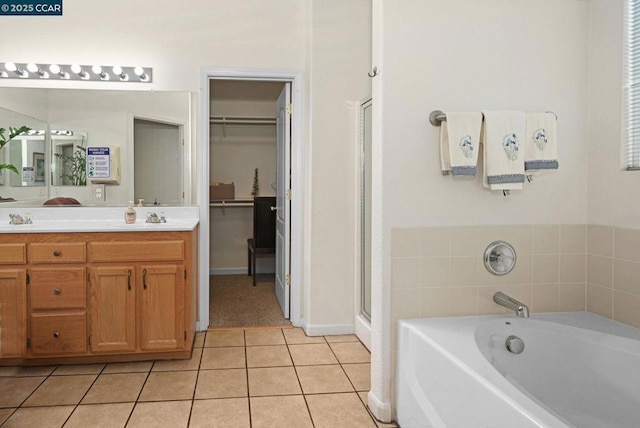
(87, 73)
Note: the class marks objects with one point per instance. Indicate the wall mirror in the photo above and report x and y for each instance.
(27, 154)
(72, 120)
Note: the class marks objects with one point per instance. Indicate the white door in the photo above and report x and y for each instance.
(283, 200)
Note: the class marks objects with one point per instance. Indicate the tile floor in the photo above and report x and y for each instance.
(236, 378)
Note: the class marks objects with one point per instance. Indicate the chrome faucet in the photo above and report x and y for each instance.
(508, 302)
(17, 219)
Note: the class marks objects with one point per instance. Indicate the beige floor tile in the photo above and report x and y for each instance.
(192, 363)
(338, 410)
(169, 386)
(132, 367)
(342, 338)
(273, 381)
(223, 338)
(312, 355)
(221, 413)
(223, 358)
(270, 336)
(198, 342)
(296, 336)
(100, 416)
(322, 379)
(16, 371)
(61, 390)
(115, 388)
(351, 352)
(78, 369)
(268, 356)
(280, 412)
(164, 414)
(4, 414)
(222, 383)
(40, 417)
(359, 375)
(13, 390)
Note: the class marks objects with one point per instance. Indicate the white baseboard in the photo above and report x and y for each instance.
(328, 329)
(381, 411)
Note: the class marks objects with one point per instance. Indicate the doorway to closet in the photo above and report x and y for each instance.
(249, 162)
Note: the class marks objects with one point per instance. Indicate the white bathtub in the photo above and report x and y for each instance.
(577, 370)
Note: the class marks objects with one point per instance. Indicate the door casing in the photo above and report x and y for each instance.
(300, 188)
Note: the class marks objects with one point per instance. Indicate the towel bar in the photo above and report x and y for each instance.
(438, 116)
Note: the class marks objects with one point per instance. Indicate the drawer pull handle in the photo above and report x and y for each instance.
(56, 253)
(56, 334)
(144, 279)
(56, 291)
(129, 279)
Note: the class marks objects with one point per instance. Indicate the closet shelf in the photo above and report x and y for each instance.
(236, 120)
(231, 203)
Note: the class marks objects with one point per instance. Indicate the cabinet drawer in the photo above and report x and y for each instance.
(59, 333)
(127, 251)
(68, 252)
(57, 288)
(13, 254)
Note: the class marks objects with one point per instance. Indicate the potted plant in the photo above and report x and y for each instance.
(74, 166)
(13, 132)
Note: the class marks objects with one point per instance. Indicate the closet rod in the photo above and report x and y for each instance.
(243, 120)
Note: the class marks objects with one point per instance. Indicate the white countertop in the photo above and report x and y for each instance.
(97, 219)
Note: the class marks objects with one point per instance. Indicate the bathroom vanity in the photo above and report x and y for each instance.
(87, 290)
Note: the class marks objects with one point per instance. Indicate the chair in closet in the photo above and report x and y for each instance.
(264, 232)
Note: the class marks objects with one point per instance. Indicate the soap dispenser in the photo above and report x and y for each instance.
(130, 214)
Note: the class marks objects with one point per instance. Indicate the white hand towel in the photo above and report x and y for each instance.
(541, 149)
(459, 142)
(503, 136)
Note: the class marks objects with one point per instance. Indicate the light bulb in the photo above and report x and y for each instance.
(76, 69)
(32, 68)
(54, 68)
(117, 70)
(140, 72)
(9, 66)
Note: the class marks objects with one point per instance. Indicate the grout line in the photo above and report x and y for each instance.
(246, 371)
(139, 394)
(85, 393)
(295, 370)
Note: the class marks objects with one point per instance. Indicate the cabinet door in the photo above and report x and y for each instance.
(113, 308)
(162, 306)
(13, 312)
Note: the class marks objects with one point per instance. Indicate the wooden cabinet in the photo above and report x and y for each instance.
(13, 308)
(57, 310)
(97, 296)
(113, 308)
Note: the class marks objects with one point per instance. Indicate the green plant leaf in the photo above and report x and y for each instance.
(9, 167)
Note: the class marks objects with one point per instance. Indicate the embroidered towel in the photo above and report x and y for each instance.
(503, 135)
(459, 142)
(540, 146)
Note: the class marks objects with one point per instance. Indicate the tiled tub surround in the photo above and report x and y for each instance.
(439, 271)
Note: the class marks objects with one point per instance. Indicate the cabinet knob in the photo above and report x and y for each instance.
(56, 334)
(56, 253)
(56, 291)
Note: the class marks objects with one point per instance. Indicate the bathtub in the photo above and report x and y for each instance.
(577, 370)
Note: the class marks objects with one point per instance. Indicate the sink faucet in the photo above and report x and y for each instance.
(508, 302)
(17, 219)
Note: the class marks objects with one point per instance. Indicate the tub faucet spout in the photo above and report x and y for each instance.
(508, 302)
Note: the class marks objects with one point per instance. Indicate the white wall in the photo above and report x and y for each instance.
(340, 59)
(614, 194)
(461, 55)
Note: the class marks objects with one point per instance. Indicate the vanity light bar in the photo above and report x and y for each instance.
(95, 73)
